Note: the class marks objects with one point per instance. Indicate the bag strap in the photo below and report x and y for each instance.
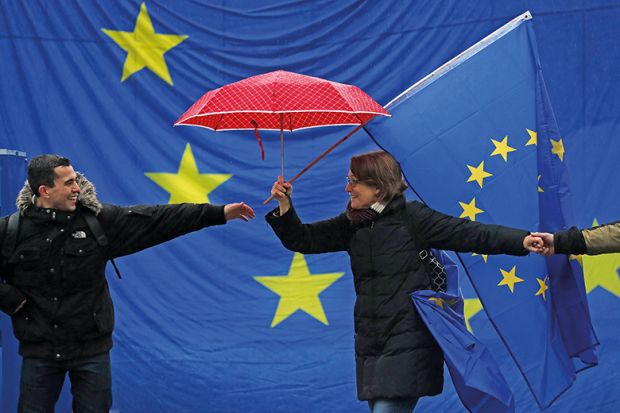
(102, 239)
(10, 235)
(95, 227)
(436, 272)
(423, 253)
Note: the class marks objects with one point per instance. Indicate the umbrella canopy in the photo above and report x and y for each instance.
(281, 100)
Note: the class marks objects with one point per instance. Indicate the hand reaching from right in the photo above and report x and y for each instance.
(548, 246)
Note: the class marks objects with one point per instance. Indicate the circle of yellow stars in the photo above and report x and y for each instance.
(478, 174)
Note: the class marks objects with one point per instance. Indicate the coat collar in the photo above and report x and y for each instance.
(87, 199)
(395, 206)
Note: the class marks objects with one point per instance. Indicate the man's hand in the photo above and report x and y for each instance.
(548, 245)
(238, 210)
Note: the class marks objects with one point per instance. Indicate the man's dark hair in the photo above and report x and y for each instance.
(41, 170)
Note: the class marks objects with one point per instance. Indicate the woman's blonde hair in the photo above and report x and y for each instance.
(380, 170)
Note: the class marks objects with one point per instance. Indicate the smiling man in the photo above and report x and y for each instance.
(54, 257)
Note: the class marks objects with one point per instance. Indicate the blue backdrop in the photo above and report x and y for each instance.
(197, 331)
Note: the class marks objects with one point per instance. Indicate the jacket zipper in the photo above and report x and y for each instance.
(372, 297)
(62, 263)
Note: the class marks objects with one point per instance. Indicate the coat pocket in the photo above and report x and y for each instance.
(26, 328)
(83, 264)
(28, 268)
(103, 314)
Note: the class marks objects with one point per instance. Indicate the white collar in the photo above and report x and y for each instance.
(378, 207)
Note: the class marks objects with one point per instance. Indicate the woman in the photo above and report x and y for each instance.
(397, 359)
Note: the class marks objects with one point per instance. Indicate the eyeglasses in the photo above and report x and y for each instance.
(352, 181)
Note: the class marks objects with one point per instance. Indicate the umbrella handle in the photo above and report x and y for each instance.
(311, 164)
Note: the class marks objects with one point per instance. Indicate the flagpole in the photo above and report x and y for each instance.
(458, 59)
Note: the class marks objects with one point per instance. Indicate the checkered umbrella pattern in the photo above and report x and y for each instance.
(304, 101)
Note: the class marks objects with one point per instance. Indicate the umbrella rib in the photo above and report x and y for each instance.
(358, 118)
(290, 121)
(218, 122)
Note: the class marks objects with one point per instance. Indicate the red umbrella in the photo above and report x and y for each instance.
(282, 101)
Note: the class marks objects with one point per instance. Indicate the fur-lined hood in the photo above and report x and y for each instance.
(88, 196)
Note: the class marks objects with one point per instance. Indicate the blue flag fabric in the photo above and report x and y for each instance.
(570, 301)
(197, 327)
(483, 127)
(12, 174)
(475, 374)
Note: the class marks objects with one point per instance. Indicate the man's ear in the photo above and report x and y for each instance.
(43, 193)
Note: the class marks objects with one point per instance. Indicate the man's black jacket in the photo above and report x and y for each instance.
(58, 267)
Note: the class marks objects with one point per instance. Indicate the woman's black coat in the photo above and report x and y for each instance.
(396, 356)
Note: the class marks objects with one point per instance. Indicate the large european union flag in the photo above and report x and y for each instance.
(477, 139)
(226, 320)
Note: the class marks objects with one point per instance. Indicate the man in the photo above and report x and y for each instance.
(54, 277)
(592, 241)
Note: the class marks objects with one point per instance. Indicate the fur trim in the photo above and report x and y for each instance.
(88, 196)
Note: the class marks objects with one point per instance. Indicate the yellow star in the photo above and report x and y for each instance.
(543, 287)
(601, 271)
(471, 307)
(188, 185)
(470, 210)
(558, 149)
(510, 278)
(533, 137)
(485, 257)
(502, 148)
(144, 47)
(299, 290)
(478, 173)
(438, 301)
(539, 188)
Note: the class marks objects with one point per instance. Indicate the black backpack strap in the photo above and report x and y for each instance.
(10, 235)
(102, 239)
(95, 227)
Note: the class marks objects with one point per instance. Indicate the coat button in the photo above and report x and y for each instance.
(26, 318)
(51, 270)
(21, 256)
(54, 298)
(58, 355)
(80, 251)
(62, 230)
(55, 325)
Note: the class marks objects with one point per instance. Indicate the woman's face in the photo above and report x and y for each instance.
(362, 195)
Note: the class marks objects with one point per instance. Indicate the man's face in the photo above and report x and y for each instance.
(63, 195)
